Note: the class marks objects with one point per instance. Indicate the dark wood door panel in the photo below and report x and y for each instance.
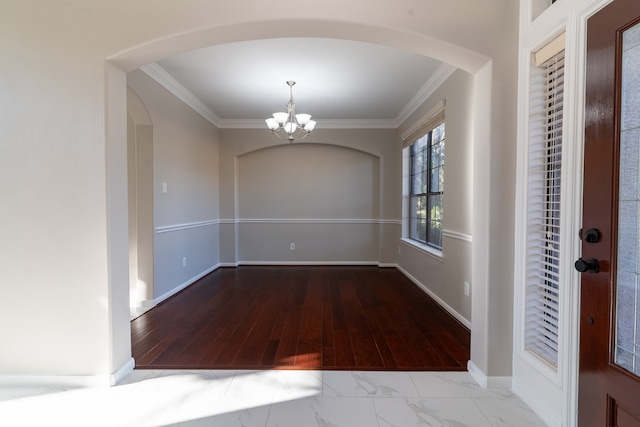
(608, 394)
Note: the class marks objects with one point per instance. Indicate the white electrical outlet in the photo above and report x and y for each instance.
(292, 246)
(184, 261)
(466, 288)
(164, 187)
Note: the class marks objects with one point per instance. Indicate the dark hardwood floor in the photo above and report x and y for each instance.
(293, 317)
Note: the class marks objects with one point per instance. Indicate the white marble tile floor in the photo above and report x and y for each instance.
(270, 398)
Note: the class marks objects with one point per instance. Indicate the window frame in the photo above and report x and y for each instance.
(432, 153)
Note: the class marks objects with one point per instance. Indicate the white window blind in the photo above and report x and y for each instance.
(430, 121)
(543, 213)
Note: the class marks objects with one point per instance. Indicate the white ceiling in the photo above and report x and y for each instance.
(340, 83)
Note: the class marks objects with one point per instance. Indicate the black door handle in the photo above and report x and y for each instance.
(587, 265)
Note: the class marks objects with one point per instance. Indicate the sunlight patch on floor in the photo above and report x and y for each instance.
(268, 398)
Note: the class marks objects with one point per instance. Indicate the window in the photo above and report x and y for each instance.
(426, 184)
(543, 206)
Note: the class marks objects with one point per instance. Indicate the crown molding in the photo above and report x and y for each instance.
(162, 77)
(435, 81)
(166, 80)
(322, 124)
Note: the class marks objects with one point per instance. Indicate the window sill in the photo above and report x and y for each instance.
(425, 249)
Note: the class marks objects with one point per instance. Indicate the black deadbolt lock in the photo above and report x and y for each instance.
(592, 235)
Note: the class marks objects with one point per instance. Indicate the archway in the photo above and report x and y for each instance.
(140, 190)
(477, 64)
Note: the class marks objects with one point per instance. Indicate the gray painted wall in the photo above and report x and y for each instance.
(185, 157)
(445, 277)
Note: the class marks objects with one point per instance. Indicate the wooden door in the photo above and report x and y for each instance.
(609, 382)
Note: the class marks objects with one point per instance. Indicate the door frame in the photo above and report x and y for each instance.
(602, 376)
(533, 378)
(580, 86)
(576, 283)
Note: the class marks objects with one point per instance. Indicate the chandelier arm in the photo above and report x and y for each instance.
(281, 133)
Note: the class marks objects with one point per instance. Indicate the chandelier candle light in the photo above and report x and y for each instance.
(290, 125)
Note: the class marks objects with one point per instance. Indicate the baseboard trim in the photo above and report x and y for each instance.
(530, 399)
(148, 304)
(310, 263)
(123, 372)
(439, 300)
(491, 383)
(387, 265)
(228, 264)
(76, 381)
(189, 282)
(379, 264)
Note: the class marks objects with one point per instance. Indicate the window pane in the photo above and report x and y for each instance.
(418, 225)
(627, 293)
(421, 143)
(437, 155)
(435, 223)
(417, 183)
(436, 179)
(417, 163)
(425, 187)
(438, 133)
(425, 182)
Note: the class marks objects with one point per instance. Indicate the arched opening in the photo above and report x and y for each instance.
(140, 190)
(477, 64)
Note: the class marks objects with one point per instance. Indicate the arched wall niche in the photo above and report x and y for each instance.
(308, 181)
(137, 109)
(317, 142)
(368, 219)
(322, 198)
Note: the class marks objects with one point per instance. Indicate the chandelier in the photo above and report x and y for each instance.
(289, 125)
